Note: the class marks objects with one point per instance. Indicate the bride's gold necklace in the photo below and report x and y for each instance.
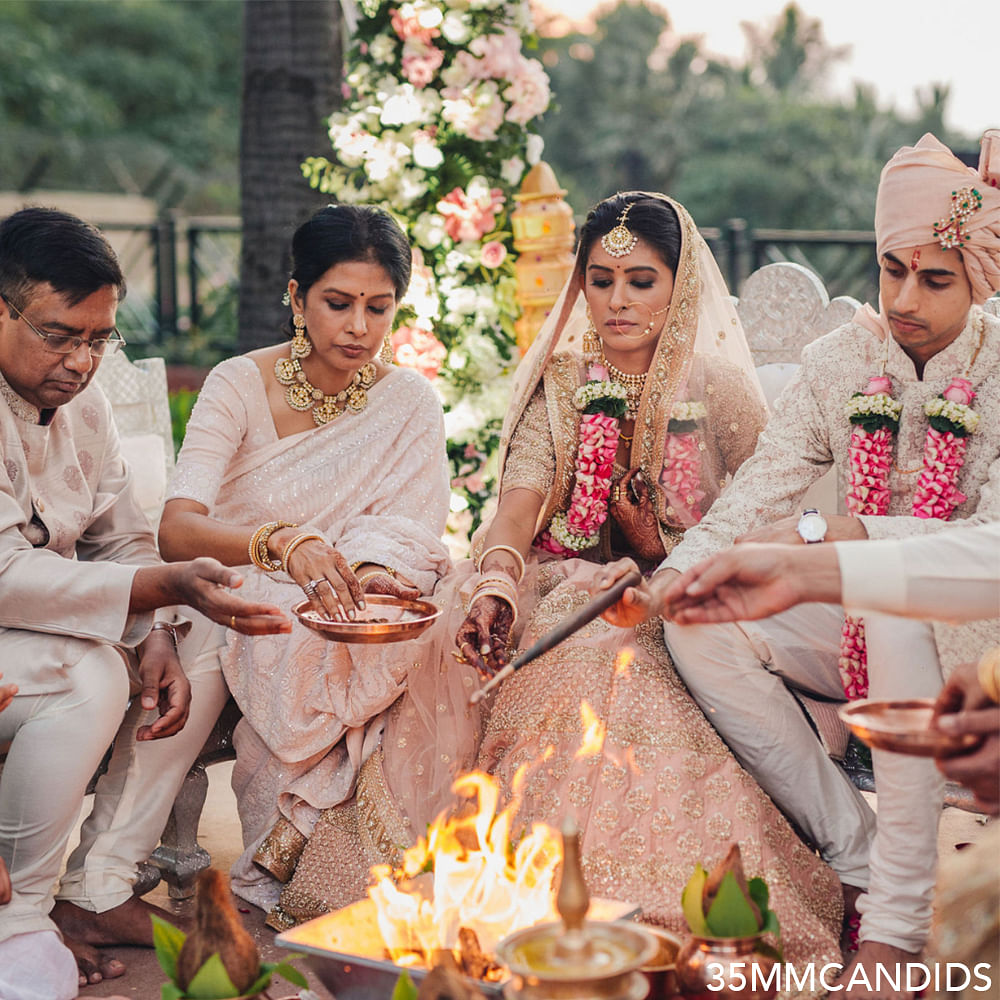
(634, 385)
(302, 395)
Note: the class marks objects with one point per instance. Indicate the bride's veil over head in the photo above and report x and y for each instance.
(701, 323)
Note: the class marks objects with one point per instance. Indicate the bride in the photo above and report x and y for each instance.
(629, 414)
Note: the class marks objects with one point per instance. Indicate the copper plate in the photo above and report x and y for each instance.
(902, 726)
(407, 619)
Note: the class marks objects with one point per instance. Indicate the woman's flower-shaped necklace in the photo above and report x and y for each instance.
(302, 395)
(874, 415)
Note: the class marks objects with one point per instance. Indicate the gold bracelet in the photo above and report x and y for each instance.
(259, 555)
(988, 672)
(306, 536)
(371, 574)
(166, 627)
(518, 558)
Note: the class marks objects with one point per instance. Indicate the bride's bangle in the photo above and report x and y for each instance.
(518, 558)
(500, 587)
(306, 536)
(371, 574)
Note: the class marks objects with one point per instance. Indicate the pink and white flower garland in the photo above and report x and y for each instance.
(602, 403)
(681, 475)
(875, 416)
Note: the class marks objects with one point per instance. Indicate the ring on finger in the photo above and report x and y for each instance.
(313, 584)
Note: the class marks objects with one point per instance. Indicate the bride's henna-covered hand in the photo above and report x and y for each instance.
(632, 507)
(388, 585)
(483, 637)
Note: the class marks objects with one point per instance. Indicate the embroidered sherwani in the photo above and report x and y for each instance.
(752, 708)
(71, 539)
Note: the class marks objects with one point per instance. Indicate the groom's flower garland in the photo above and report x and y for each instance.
(602, 403)
(875, 416)
(681, 476)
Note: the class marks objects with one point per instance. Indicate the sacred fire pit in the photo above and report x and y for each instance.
(466, 889)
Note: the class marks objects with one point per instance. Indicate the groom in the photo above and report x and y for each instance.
(937, 227)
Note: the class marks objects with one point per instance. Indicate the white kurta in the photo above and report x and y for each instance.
(71, 539)
(952, 576)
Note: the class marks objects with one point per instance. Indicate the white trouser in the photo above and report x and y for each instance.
(738, 675)
(58, 742)
(135, 796)
(37, 966)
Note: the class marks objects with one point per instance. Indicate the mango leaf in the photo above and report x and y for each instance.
(771, 925)
(404, 988)
(212, 982)
(691, 902)
(730, 914)
(171, 991)
(758, 893)
(283, 969)
(168, 941)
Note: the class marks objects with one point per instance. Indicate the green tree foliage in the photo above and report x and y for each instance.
(759, 139)
(112, 94)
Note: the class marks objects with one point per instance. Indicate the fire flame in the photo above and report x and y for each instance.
(466, 872)
(593, 733)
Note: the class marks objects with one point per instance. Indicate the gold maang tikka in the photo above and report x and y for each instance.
(620, 241)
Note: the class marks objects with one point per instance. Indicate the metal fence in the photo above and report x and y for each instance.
(183, 275)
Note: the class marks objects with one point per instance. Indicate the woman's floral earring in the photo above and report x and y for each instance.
(385, 355)
(591, 342)
(301, 344)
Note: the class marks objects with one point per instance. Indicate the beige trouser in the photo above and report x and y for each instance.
(58, 742)
(740, 675)
(134, 798)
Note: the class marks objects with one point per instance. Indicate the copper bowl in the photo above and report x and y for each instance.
(661, 970)
(385, 619)
(903, 727)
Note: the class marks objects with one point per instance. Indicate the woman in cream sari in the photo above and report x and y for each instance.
(326, 468)
(661, 792)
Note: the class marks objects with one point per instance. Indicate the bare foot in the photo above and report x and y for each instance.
(84, 932)
(877, 972)
(92, 965)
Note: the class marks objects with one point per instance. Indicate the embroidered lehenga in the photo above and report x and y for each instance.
(663, 791)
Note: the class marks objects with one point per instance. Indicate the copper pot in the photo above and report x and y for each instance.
(733, 967)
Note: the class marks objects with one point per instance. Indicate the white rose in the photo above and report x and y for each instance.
(426, 153)
(402, 108)
(534, 148)
(512, 170)
(428, 229)
(456, 28)
(382, 49)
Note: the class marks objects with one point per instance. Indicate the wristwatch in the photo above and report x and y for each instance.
(811, 526)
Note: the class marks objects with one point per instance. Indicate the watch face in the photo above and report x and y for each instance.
(812, 527)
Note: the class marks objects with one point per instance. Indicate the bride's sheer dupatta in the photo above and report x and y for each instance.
(702, 359)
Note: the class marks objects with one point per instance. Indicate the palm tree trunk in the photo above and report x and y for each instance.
(292, 60)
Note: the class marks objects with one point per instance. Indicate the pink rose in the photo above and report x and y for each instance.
(493, 254)
(419, 349)
(597, 373)
(470, 215)
(960, 391)
(877, 384)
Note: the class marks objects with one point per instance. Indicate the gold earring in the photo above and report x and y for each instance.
(386, 355)
(591, 342)
(301, 344)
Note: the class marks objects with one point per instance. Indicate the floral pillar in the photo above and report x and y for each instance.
(543, 237)
(438, 125)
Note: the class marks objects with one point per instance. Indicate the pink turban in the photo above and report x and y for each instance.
(918, 203)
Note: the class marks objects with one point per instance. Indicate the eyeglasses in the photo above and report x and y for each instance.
(60, 343)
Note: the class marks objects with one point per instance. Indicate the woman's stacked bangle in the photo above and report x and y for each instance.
(306, 536)
(259, 555)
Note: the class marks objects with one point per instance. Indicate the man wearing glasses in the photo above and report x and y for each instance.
(80, 578)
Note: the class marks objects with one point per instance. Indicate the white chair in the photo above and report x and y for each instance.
(137, 391)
